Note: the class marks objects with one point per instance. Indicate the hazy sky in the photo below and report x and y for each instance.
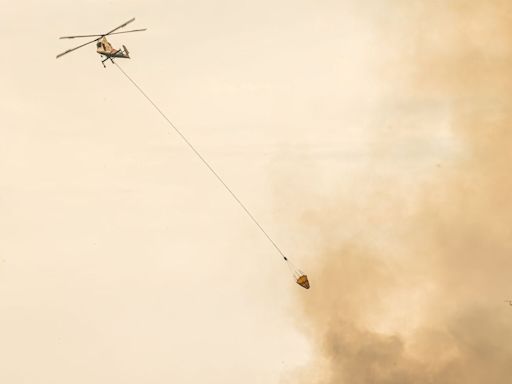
(122, 260)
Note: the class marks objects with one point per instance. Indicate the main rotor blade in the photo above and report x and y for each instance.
(74, 37)
(121, 26)
(133, 30)
(80, 46)
(114, 33)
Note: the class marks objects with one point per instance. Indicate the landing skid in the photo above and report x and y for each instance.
(105, 59)
(119, 54)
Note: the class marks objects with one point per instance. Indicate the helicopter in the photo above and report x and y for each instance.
(103, 47)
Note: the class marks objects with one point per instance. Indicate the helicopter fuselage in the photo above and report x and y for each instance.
(104, 48)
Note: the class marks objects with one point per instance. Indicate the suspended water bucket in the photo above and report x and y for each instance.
(303, 281)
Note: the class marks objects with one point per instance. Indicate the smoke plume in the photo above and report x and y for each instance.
(410, 287)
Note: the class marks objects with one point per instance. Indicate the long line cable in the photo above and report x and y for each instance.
(198, 154)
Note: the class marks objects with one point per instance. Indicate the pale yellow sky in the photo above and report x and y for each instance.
(122, 260)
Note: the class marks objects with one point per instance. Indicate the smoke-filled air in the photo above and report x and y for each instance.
(413, 267)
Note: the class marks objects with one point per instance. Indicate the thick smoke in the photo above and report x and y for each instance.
(424, 303)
